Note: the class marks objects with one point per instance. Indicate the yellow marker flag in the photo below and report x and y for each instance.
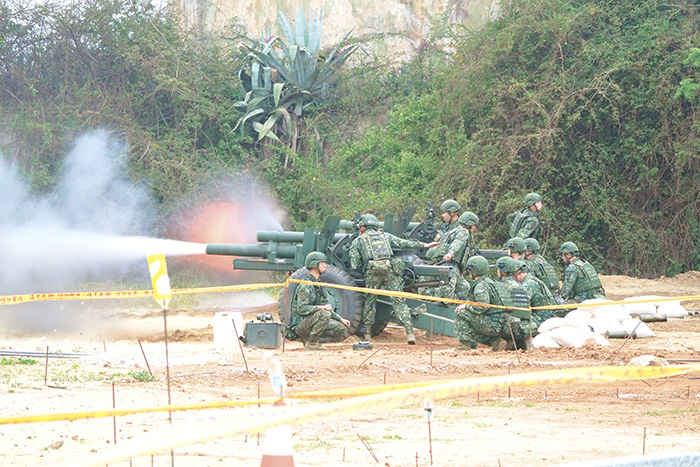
(160, 279)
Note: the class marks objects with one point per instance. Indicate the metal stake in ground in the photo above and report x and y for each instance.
(46, 367)
(428, 406)
(114, 418)
(144, 358)
(240, 346)
(369, 448)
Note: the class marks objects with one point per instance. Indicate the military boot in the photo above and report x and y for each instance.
(314, 345)
(498, 344)
(410, 338)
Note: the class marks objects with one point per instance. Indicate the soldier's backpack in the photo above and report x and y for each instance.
(510, 298)
(379, 249)
(590, 278)
(544, 272)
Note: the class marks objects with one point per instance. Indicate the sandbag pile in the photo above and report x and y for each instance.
(592, 325)
(669, 309)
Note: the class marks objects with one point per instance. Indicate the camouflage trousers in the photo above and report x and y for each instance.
(385, 281)
(484, 327)
(319, 325)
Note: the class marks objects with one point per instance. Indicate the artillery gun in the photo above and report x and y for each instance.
(285, 252)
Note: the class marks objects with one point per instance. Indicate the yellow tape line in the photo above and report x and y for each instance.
(325, 394)
(393, 293)
(619, 302)
(16, 299)
(251, 421)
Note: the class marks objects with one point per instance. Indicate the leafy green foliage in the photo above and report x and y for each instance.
(274, 102)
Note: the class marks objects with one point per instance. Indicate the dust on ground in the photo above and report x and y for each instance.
(513, 426)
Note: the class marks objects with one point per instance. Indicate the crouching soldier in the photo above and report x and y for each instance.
(312, 317)
(581, 280)
(482, 324)
(539, 294)
(521, 324)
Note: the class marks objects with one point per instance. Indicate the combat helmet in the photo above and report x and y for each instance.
(521, 265)
(507, 265)
(532, 245)
(314, 258)
(450, 205)
(468, 218)
(568, 247)
(477, 266)
(368, 220)
(516, 244)
(531, 198)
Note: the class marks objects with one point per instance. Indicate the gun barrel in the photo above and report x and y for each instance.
(348, 225)
(261, 250)
(289, 237)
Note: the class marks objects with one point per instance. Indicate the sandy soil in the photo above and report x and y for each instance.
(516, 427)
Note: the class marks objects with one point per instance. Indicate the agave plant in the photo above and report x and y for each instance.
(286, 76)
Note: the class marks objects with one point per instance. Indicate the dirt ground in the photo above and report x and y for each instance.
(514, 427)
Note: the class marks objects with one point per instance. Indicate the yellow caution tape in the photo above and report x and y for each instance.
(619, 302)
(325, 394)
(256, 420)
(16, 299)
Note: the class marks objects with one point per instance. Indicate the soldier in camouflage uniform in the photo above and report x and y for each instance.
(526, 222)
(372, 254)
(449, 251)
(479, 324)
(521, 322)
(581, 280)
(539, 293)
(312, 317)
(516, 248)
(540, 267)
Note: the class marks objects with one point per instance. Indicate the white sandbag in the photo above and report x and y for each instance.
(603, 325)
(612, 311)
(544, 340)
(600, 340)
(672, 310)
(556, 322)
(580, 314)
(636, 309)
(659, 303)
(642, 330)
(569, 336)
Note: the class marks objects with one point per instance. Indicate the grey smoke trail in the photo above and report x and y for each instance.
(87, 228)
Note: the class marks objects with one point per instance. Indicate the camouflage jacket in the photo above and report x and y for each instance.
(581, 282)
(453, 241)
(360, 254)
(544, 271)
(538, 292)
(480, 292)
(306, 300)
(525, 223)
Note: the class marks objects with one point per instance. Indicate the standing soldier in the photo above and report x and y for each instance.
(516, 248)
(581, 280)
(539, 293)
(450, 249)
(469, 220)
(372, 254)
(526, 222)
(540, 267)
(312, 317)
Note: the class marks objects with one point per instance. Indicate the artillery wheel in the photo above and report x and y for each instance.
(347, 303)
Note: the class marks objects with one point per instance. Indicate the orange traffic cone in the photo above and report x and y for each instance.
(278, 451)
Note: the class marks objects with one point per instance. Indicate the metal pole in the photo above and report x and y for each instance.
(114, 418)
(512, 336)
(167, 370)
(240, 346)
(144, 357)
(46, 367)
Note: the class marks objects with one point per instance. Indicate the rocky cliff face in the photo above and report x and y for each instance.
(395, 26)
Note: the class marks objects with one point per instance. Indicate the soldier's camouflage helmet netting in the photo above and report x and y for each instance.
(313, 259)
(568, 247)
(468, 218)
(532, 245)
(477, 266)
(531, 198)
(368, 220)
(516, 244)
(450, 206)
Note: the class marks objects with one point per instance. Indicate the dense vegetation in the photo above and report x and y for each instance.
(591, 103)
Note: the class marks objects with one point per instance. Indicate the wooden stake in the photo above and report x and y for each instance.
(644, 442)
(144, 357)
